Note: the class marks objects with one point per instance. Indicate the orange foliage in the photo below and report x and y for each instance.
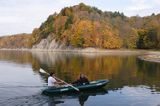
(16, 41)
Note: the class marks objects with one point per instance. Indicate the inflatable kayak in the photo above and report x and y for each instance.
(91, 86)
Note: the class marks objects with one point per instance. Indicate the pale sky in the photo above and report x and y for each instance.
(22, 16)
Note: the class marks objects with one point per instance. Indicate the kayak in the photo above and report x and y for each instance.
(68, 89)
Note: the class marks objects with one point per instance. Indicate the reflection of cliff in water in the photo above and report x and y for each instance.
(96, 67)
(121, 70)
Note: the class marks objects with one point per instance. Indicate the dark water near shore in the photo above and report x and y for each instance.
(133, 82)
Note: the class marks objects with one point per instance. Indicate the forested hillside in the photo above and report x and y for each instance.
(82, 26)
(16, 41)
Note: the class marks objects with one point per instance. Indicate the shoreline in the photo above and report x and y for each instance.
(146, 55)
(151, 58)
(79, 50)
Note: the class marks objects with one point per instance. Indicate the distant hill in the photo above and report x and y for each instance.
(16, 41)
(82, 26)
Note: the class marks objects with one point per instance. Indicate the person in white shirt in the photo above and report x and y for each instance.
(52, 82)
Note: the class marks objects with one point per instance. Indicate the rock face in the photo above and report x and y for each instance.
(55, 45)
(49, 43)
(79, 26)
(82, 26)
(45, 44)
(42, 45)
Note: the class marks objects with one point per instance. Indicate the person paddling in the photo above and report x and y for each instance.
(82, 80)
(52, 82)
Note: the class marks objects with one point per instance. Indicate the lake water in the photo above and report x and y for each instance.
(133, 82)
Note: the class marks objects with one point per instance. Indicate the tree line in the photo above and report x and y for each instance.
(85, 26)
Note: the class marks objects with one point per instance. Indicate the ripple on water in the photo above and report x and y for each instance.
(33, 100)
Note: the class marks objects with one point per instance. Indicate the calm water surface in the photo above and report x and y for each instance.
(133, 82)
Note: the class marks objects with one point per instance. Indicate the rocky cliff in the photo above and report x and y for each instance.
(83, 26)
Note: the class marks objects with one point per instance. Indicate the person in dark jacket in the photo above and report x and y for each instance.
(82, 80)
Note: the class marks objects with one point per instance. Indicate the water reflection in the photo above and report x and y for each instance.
(149, 72)
(82, 97)
(97, 67)
(131, 79)
(52, 101)
(121, 70)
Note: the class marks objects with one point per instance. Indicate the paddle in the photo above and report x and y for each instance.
(42, 71)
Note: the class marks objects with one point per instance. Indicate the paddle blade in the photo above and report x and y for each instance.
(42, 71)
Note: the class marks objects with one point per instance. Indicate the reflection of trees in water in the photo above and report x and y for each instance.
(149, 73)
(19, 57)
(137, 72)
(121, 70)
(66, 65)
(126, 74)
(151, 69)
